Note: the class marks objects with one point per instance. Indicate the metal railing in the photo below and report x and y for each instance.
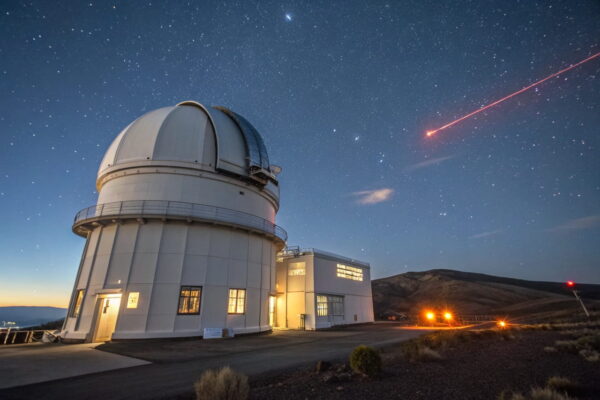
(17, 336)
(293, 251)
(163, 208)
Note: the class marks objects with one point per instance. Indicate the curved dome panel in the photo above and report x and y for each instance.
(186, 135)
(191, 136)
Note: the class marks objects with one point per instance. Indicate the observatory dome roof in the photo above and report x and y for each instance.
(190, 135)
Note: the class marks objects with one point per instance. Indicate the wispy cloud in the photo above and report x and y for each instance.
(486, 234)
(373, 196)
(577, 224)
(428, 163)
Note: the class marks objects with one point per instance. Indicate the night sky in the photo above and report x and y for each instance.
(342, 92)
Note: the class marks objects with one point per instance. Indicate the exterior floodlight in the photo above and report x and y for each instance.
(430, 316)
(502, 324)
(447, 316)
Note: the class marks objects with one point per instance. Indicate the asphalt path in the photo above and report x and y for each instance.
(169, 377)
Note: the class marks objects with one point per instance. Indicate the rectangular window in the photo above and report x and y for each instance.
(189, 300)
(330, 306)
(322, 306)
(237, 301)
(78, 301)
(297, 269)
(132, 299)
(348, 272)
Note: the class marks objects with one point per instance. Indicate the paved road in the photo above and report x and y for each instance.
(39, 362)
(171, 376)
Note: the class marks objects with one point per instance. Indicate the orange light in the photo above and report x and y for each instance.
(448, 316)
(430, 133)
(502, 324)
(429, 315)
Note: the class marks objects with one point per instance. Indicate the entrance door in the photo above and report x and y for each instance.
(107, 318)
(272, 301)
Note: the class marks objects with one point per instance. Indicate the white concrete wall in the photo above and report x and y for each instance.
(156, 259)
(297, 294)
(358, 298)
(220, 191)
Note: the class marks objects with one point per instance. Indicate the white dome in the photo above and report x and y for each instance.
(190, 135)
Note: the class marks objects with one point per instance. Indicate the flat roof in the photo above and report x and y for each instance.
(297, 251)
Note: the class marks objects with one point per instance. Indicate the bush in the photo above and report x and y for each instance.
(365, 360)
(562, 384)
(566, 345)
(591, 342)
(590, 355)
(547, 394)
(224, 384)
(535, 394)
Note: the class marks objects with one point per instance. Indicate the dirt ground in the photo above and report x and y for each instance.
(475, 370)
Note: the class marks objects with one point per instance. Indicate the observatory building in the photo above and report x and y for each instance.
(182, 241)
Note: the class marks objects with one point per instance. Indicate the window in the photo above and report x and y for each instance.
(189, 300)
(348, 272)
(237, 301)
(330, 306)
(296, 269)
(322, 306)
(132, 299)
(78, 301)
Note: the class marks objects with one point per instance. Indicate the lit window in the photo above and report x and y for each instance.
(348, 272)
(189, 300)
(296, 269)
(132, 300)
(330, 306)
(322, 306)
(78, 301)
(237, 301)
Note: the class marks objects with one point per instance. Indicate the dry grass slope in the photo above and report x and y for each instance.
(471, 293)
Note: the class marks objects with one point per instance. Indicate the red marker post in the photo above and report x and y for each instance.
(571, 285)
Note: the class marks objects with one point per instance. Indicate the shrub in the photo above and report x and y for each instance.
(591, 342)
(535, 394)
(562, 384)
(427, 354)
(566, 345)
(590, 355)
(224, 384)
(547, 394)
(365, 360)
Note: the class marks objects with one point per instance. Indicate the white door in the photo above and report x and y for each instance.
(107, 318)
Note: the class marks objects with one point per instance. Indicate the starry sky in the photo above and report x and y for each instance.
(342, 92)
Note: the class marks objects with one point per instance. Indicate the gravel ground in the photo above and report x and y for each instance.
(476, 370)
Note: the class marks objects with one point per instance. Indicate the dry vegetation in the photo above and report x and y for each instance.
(223, 384)
(439, 350)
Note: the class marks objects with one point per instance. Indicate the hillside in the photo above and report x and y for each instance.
(473, 293)
(28, 316)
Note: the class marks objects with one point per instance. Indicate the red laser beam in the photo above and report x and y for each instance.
(456, 121)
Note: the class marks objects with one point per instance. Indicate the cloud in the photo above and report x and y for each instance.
(427, 163)
(486, 234)
(577, 224)
(373, 196)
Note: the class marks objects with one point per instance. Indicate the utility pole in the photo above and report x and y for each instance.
(571, 285)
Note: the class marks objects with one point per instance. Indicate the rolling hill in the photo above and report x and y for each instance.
(473, 293)
(25, 316)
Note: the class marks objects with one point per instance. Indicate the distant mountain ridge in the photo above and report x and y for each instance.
(25, 316)
(474, 293)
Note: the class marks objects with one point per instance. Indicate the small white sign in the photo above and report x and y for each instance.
(213, 333)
